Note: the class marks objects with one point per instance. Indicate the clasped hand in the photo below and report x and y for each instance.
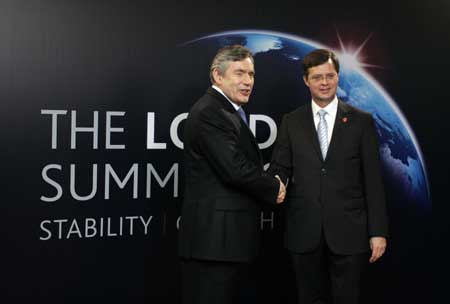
(281, 192)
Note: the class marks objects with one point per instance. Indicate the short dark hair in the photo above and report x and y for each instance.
(226, 55)
(318, 57)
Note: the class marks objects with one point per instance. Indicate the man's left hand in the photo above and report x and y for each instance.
(378, 246)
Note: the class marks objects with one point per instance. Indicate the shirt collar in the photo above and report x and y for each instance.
(331, 108)
(235, 106)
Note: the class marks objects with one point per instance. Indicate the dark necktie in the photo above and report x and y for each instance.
(242, 114)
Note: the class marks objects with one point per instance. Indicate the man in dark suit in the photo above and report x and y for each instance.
(225, 184)
(335, 206)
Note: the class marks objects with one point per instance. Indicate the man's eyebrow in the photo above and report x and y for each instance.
(244, 71)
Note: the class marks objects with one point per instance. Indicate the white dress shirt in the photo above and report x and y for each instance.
(330, 117)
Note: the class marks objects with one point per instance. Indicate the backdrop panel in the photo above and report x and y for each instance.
(93, 99)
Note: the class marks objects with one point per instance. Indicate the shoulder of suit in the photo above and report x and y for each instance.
(360, 117)
(355, 111)
(211, 110)
(297, 112)
(208, 102)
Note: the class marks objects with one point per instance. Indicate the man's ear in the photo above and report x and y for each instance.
(216, 76)
(305, 79)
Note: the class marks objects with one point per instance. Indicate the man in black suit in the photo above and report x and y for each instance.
(335, 206)
(225, 184)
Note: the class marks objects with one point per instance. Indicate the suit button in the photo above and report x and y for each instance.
(324, 171)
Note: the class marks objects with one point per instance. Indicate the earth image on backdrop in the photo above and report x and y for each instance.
(401, 157)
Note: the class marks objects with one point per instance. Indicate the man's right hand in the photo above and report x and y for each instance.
(281, 192)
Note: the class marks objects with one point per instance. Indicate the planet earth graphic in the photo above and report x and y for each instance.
(278, 55)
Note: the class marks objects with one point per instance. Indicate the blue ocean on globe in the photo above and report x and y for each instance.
(400, 153)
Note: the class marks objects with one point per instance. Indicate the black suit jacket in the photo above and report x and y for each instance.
(225, 181)
(341, 196)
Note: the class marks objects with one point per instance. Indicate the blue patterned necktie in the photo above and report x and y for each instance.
(322, 132)
(242, 114)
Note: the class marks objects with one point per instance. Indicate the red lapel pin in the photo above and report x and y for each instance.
(344, 119)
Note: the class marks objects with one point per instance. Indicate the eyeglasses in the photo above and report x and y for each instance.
(319, 78)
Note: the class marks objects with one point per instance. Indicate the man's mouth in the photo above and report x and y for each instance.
(245, 92)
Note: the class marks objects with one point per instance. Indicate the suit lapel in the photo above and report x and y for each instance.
(244, 128)
(338, 129)
(251, 136)
(311, 130)
(248, 131)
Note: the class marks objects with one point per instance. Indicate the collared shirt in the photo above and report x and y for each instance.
(235, 106)
(330, 117)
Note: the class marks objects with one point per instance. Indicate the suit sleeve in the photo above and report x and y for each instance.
(219, 140)
(281, 162)
(373, 183)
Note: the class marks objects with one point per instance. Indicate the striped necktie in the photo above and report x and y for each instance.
(322, 132)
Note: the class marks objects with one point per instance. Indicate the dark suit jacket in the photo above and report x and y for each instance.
(343, 196)
(225, 181)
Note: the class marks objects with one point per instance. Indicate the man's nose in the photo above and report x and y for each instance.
(248, 79)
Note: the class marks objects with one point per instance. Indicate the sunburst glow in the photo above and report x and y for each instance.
(351, 57)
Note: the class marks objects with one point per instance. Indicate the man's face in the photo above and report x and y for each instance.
(237, 81)
(322, 81)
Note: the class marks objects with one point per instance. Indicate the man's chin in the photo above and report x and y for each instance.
(326, 99)
(243, 101)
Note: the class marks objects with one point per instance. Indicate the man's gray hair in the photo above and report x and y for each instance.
(226, 55)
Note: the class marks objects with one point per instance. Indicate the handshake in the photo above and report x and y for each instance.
(281, 192)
